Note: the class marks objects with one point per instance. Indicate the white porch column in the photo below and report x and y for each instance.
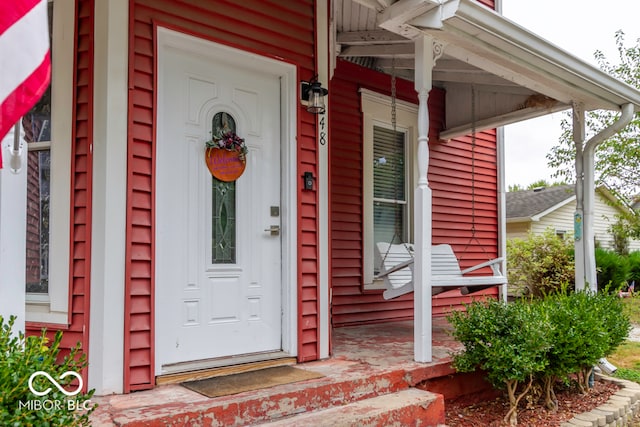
(106, 335)
(578, 225)
(427, 52)
(13, 224)
(322, 9)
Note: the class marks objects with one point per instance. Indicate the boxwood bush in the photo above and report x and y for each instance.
(586, 328)
(544, 339)
(508, 341)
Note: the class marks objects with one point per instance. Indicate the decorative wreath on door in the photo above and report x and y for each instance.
(225, 152)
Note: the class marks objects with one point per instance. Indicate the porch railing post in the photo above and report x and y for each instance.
(427, 51)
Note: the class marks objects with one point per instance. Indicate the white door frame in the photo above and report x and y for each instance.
(167, 38)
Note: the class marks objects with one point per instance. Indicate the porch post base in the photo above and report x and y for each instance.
(422, 273)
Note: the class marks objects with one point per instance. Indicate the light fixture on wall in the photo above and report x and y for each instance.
(313, 94)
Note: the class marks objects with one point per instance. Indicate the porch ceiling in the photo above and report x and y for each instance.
(509, 72)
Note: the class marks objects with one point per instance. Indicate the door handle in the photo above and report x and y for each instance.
(274, 230)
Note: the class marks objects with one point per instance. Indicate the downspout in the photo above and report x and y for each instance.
(502, 210)
(578, 218)
(588, 163)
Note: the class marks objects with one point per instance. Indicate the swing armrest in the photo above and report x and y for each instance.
(395, 268)
(482, 265)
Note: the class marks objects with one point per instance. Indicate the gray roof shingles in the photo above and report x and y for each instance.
(528, 203)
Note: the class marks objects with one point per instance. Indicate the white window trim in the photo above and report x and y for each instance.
(54, 307)
(376, 111)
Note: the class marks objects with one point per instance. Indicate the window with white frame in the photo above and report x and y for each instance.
(46, 132)
(389, 186)
(388, 175)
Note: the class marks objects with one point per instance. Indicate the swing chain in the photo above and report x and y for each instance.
(393, 94)
(398, 222)
(473, 161)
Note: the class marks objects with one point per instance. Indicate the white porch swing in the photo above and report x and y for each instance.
(395, 260)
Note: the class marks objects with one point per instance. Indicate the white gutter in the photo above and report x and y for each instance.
(486, 39)
(554, 60)
(588, 159)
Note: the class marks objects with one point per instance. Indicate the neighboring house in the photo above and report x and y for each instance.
(553, 207)
(156, 268)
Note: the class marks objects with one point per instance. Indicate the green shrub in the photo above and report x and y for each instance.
(21, 357)
(634, 267)
(569, 338)
(586, 328)
(508, 341)
(546, 339)
(540, 264)
(613, 270)
(614, 318)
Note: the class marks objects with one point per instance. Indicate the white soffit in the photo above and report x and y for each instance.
(481, 37)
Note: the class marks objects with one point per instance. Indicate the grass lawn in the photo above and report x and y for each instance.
(631, 306)
(627, 356)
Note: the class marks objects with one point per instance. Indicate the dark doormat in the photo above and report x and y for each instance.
(246, 381)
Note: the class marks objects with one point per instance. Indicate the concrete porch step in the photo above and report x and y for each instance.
(410, 407)
(370, 361)
(345, 382)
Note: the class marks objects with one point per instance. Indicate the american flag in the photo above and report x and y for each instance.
(25, 65)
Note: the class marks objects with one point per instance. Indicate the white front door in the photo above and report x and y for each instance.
(218, 263)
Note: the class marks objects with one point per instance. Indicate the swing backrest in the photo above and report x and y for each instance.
(389, 256)
(443, 262)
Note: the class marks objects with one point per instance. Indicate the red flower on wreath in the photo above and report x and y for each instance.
(229, 141)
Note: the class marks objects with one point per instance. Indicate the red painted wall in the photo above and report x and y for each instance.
(450, 179)
(279, 29)
(81, 185)
(283, 30)
(488, 3)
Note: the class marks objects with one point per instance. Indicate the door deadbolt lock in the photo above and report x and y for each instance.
(274, 230)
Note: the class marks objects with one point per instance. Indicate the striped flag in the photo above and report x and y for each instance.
(25, 65)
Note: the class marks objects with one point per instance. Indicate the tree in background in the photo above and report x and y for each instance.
(618, 158)
(621, 231)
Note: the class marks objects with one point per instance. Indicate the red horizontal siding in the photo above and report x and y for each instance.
(283, 30)
(489, 3)
(465, 197)
(451, 172)
(350, 304)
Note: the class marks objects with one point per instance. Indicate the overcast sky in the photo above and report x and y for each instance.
(581, 27)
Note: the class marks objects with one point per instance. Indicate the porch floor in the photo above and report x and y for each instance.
(367, 361)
